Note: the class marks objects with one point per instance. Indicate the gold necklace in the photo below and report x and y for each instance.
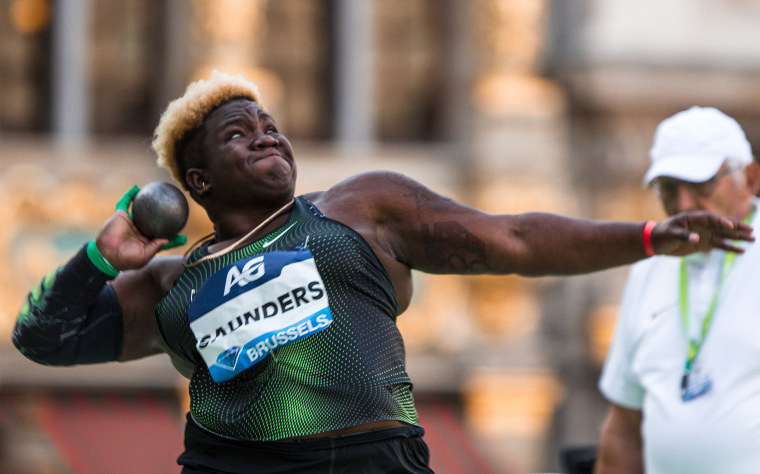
(231, 247)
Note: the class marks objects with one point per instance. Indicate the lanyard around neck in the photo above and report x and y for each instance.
(696, 345)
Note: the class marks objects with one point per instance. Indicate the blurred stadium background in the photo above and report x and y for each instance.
(509, 105)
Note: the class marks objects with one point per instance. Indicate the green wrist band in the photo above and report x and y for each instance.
(97, 259)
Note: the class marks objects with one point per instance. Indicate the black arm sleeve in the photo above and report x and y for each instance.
(71, 317)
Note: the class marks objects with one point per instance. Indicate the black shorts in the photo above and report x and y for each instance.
(400, 450)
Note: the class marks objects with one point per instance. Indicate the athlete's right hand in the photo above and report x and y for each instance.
(119, 241)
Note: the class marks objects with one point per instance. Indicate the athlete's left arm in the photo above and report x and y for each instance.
(432, 233)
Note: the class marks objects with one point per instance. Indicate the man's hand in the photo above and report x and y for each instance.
(699, 231)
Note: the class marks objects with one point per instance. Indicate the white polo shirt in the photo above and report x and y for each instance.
(719, 431)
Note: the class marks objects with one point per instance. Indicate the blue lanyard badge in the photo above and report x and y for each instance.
(256, 305)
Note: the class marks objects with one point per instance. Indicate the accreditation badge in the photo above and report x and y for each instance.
(255, 305)
(694, 384)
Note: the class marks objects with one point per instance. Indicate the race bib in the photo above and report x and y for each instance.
(249, 308)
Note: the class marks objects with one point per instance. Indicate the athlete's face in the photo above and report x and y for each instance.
(246, 157)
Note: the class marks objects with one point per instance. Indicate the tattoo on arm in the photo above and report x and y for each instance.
(451, 247)
(448, 245)
(422, 196)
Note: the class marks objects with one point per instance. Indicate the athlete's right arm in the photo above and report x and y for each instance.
(138, 292)
(620, 445)
(71, 317)
(75, 315)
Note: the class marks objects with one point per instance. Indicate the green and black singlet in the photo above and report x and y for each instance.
(352, 372)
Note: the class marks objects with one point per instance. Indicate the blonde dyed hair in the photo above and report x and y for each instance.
(187, 113)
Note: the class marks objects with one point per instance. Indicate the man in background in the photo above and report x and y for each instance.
(683, 372)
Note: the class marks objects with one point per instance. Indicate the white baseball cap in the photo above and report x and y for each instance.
(693, 144)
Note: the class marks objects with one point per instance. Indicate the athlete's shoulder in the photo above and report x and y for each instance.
(164, 269)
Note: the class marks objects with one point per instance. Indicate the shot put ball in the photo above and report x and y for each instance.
(159, 210)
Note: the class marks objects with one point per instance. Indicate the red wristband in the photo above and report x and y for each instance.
(648, 238)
